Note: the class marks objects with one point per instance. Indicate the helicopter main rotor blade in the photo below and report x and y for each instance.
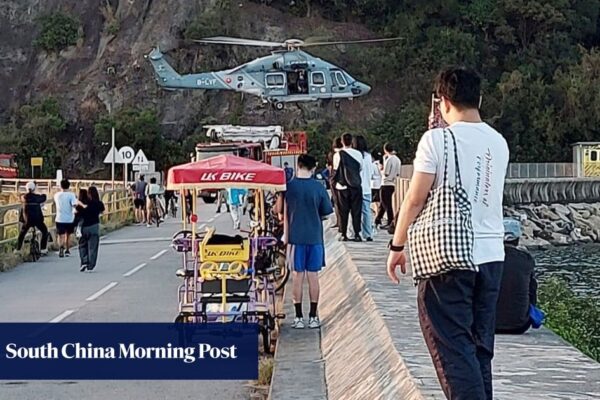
(239, 42)
(351, 42)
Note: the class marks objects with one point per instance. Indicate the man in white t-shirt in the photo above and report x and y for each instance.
(65, 201)
(457, 309)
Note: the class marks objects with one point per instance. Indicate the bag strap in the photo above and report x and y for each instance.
(445, 159)
(458, 181)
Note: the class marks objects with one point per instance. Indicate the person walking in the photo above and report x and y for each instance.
(452, 219)
(222, 199)
(391, 170)
(90, 229)
(348, 164)
(235, 200)
(32, 216)
(306, 205)
(376, 181)
(366, 176)
(65, 202)
(139, 200)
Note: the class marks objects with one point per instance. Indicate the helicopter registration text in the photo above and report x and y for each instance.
(206, 82)
(228, 176)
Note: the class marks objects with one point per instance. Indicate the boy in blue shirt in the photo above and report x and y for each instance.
(235, 199)
(306, 205)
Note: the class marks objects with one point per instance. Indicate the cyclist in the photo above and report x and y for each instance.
(32, 216)
(170, 201)
(154, 191)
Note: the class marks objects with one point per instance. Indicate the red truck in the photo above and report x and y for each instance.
(8, 166)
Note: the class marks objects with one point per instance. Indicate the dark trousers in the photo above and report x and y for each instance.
(350, 204)
(335, 195)
(457, 313)
(386, 194)
(88, 245)
(26, 227)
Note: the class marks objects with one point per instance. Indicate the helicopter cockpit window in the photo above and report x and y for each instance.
(318, 78)
(275, 80)
(341, 79)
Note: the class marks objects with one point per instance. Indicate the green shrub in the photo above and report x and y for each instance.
(58, 31)
(574, 317)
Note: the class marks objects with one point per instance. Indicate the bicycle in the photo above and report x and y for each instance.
(35, 252)
(154, 214)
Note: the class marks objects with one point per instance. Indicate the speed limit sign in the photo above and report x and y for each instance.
(126, 154)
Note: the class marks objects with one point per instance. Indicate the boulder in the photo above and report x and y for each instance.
(549, 214)
(559, 239)
(534, 242)
(579, 206)
(560, 209)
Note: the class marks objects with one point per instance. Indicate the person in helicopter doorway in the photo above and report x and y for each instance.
(516, 309)
(302, 82)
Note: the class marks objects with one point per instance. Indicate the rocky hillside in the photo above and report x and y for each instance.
(106, 70)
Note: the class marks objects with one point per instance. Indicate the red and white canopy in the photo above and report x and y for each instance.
(226, 171)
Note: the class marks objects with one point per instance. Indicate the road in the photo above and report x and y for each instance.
(134, 281)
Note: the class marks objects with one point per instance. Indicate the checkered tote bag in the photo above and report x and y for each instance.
(441, 238)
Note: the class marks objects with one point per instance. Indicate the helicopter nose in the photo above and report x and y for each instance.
(360, 89)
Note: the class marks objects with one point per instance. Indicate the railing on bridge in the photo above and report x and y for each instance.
(522, 170)
(49, 185)
(118, 204)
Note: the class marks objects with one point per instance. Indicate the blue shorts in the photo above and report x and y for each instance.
(306, 257)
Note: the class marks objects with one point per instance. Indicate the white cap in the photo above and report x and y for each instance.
(30, 186)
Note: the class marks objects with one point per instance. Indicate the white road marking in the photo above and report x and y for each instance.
(102, 291)
(160, 253)
(134, 270)
(211, 220)
(62, 316)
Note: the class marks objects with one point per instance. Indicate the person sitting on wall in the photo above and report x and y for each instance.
(516, 309)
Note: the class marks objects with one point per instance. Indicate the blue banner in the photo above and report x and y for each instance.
(128, 351)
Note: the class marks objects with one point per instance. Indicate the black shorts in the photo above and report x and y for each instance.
(64, 228)
(375, 198)
(139, 203)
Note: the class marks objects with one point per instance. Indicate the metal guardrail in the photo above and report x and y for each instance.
(522, 170)
(50, 185)
(118, 204)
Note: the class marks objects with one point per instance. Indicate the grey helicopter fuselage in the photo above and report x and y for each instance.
(282, 77)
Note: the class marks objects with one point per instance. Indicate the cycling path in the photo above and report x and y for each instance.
(134, 281)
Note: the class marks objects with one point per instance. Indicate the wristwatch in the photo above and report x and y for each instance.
(395, 248)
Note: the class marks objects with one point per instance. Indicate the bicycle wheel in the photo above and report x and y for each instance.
(155, 214)
(282, 273)
(34, 250)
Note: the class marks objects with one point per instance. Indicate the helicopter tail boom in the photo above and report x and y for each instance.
(169, 78)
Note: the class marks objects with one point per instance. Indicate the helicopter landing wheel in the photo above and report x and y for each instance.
(279, 105)
(337, 104)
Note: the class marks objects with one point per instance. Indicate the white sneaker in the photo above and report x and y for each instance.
(298, 323)
(314, 323)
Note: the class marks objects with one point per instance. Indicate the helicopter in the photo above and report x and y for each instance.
(288, 75)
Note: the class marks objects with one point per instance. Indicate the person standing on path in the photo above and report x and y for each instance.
(139, 200)
(376, 186)
(335, 148)
(348, 164)
(65, 201)
(462, 168)
(90, 230)
(391, 171)
(306, 205)
(366, 175)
